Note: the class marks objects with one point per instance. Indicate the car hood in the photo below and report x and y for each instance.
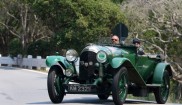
(110, 50)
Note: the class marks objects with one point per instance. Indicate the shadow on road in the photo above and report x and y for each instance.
(88, 100)
(40, 103)
(92, 101)
(133, 101)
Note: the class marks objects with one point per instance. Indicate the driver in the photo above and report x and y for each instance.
(115, 39)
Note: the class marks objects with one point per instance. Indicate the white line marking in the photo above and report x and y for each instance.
(34, 71)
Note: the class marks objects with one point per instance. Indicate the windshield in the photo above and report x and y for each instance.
(107, 40)
(104, 40)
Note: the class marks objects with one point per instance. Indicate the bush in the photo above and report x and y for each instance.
(40, 48)
(15, 47)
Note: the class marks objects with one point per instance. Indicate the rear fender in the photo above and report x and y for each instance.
(133, 74)
(159, 72)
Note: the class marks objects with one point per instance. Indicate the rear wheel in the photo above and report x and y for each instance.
(120, 86)
(55, 86)
(161, 93)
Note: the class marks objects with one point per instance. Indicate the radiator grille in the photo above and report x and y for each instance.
(87, 65)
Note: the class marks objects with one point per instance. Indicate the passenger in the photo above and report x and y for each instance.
(115, 39)
(137, 43)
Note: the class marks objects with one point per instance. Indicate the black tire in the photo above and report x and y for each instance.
(120, 86)
(162, 93)
(104, 90)
(55, 88)
(103, 96)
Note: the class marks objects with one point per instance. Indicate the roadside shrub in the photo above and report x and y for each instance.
(15, 47)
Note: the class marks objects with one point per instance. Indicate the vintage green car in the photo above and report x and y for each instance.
(107, 69)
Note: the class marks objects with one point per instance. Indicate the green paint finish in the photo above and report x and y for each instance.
(129, 49)
(117, 62)
(131, 58)
(145, 66)
(53, 60)
(134, 75)
(102, 56)
(159, 72)
(123, 86)
(130, 53)
(58, 84)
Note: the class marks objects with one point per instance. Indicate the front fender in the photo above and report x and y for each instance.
(159, 72)
(117, 62)
(133, 74)
(53, 60)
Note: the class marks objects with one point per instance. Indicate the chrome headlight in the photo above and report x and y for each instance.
(101, 56)
(71, 55)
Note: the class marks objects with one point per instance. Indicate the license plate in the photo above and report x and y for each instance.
(79, 88)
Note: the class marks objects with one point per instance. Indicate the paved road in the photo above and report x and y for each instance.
(27, 87)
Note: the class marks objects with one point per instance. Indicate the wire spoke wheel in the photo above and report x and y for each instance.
(54, 85)
(120, 86)
(162, 93)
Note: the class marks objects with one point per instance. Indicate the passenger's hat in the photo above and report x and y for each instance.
(135, 40)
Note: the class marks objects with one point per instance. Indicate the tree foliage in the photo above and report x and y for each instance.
(19, 21)
(77, 22)
(63, 23)
(159, 23)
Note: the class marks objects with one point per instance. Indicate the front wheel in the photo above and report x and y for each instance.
(54, 85)
(103, 96)
(120, 86)
(104, 90)
(161, 93)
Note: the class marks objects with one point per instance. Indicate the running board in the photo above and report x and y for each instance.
(153, 85)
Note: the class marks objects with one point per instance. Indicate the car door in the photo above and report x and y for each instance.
(145, 66)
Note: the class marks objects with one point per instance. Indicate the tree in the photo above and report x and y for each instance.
(77, 22)
(21, 23)
(159, 23)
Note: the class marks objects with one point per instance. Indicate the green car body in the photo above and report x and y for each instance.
(106, 70)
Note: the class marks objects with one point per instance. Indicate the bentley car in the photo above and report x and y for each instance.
(108, 70)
